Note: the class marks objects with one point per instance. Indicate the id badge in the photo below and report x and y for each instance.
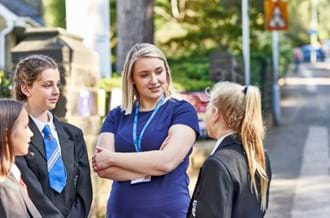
(141, 180)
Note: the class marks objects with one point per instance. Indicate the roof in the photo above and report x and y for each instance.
(23, 9)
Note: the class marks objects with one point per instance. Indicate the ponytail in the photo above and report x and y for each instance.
(241, 110)
(252, 136)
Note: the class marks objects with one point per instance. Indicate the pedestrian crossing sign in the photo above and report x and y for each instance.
(276, 15)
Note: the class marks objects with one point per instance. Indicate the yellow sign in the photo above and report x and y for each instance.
(276, 15)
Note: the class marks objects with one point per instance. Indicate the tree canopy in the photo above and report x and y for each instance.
(188, 30)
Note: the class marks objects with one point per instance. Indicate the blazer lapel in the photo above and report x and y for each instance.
(32, 210)
(29, 205)
(37, 139)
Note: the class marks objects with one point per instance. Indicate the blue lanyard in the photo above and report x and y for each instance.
(137, 141)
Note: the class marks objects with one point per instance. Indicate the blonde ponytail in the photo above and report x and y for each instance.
(252, 135)
(241, 110)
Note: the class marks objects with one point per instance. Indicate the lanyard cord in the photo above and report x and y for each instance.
(137, 140)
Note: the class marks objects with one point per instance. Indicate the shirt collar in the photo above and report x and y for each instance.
(219, 142)
(15, 172)
(41, 125)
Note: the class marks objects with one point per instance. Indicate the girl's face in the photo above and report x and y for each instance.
(21, 134)
(149, 78)
(209, 120)
(44, 92)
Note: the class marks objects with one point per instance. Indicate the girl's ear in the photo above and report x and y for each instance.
(215, 114)
(26, 90)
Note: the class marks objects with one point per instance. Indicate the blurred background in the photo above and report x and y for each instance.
(204, 43)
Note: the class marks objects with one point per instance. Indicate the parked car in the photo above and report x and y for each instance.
(199, 101)
(306, 52)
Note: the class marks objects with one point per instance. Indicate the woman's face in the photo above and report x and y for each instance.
(21, 134)
(44, 92)
(149, 78)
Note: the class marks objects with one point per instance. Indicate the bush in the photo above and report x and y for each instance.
(109, 83)
(190, 73)
(5, 85)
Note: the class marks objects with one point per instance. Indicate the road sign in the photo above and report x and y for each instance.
(276, 15)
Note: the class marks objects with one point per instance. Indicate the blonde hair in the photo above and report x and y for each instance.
(140, 50)
(240, 107)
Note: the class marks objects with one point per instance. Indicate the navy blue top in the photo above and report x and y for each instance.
(164, 196)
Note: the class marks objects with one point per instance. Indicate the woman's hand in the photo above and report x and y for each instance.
(101, 159)
(103, 173)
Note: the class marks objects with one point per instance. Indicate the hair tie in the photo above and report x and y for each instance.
(245, 89)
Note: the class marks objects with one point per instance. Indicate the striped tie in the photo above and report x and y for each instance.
(56, 169)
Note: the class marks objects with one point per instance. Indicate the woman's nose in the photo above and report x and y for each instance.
(153, 78)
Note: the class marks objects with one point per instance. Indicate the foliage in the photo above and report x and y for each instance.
(300, 21)
(108, 84)
(5, 85)
(202, 26)
(190, 73)
(54, 13)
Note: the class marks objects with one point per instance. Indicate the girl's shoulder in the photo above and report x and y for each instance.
(8, 184)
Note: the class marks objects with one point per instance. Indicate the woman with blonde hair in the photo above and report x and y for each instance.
(234, 181)
(144, 144)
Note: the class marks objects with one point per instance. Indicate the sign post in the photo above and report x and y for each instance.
(246, 41)
(276, 18)
(313, 30)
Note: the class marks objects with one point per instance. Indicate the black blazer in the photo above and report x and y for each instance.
(223, 187)
(75, 199)
(15, 202)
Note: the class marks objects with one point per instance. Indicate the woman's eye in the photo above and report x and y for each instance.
(159, 72)
(144, 75)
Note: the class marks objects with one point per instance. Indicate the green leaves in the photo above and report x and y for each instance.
(5, 85)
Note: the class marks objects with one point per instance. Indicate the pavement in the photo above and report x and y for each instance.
(299, 146)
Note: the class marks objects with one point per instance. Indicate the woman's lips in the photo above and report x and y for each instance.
(155, 89)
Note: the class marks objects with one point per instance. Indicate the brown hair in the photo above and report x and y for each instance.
(9, 112)
(241, 110)
(140, 50)
(27, 71)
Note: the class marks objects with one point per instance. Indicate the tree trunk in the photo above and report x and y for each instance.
(134, 24)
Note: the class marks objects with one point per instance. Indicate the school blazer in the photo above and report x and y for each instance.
(223, 187)
(15, 202)
(75, 199)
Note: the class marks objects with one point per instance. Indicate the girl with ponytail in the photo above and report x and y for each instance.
(234, 181)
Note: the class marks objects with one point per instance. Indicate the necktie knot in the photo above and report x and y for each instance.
(46, 130)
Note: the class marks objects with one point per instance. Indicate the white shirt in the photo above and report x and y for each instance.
(41, 126)
(219, 142)
(15, 172)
